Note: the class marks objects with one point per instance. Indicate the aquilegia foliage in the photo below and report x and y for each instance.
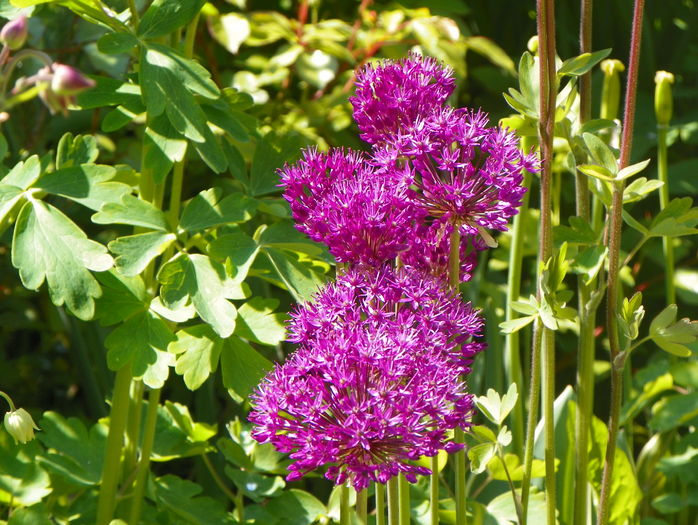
(377, 380)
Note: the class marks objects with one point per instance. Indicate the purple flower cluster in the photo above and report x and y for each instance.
(377, 380)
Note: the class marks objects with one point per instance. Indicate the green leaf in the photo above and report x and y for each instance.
(674, 411)
(110, 92)
(34, 515)
(198, 349)
(242, 367)
(640, 188)
(299, 279)
(10, 196)
(256, 486)
(672, 336)
(134, 211)
(496, 408)
(73, 151)
(209, 209)
(178, 436)
(239, 249)
(121, 297)
(601, 153)
(598, 172)
(503, 509)
(24, 173)
(514, 325)
(257, 322)
(682, 466)
(162, 147)
(649, 390)
(284, 236)
(271, 153)
(164, 16)
(631, 314)
(230, 30)
(578, 232)
(583, 63)
(47, 245)
(134, 252)
(87, 184)
(480, 455)
(74, 453)
(589, 262)
(142, 341)
(515, 468)
(631, 170)
(202, 281)
(21, 477)
(116, 43)
(296, 507)
(181, 499)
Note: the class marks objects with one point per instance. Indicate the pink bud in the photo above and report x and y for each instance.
(69, 81)
(14, 33)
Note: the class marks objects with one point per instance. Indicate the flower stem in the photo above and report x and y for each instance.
(9, 400)
(393, 503)
(614, 240)
(404, 495)
(111, 471)
(146, 448)
(344, 511)
(663, 173)
(434, 491)
(380, 503)
(362, 506)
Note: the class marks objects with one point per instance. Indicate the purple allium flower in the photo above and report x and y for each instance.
(364, 215)
(392, 95)
(377, 380)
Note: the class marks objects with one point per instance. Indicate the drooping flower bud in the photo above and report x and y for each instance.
(68, 81)
(20, 425)
(610, 94)
(14, 33)
(663, 101)
(532, 44)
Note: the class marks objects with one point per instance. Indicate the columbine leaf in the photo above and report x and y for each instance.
(164, 16)
(209, 209)
(202, 281)
(601, 153)
(640, 188)
(238, 248)
(583, 63)
(496, 408)
(162, 147)
(515, 468)
(242, 367)
(134, 252)
(589, 262)
(480, 455)
(198, 349)
(181, 499)
(87, 184)
(284, 236)
(121, 297)
(258, 322)
(177, 435)
(578, 232)
(142, 341)
(47, 245)
(24, 174)
(134, 211)
(514, 325)
(299, 279)
(631, 170)
(10, 196)
(271, 153)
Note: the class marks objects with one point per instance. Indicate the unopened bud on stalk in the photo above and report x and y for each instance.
(14, 33)
(532, 44)
(610, 94)
(69, 81)
(20, 425)
(663, 100)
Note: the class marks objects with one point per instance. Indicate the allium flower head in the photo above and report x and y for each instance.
(392, 95)
(377, 380)
(338, 198)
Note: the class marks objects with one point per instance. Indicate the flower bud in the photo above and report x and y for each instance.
(20, 425)
(610, 94)
(532, 44)
(14, 33)
(68, 81)
(663, 101)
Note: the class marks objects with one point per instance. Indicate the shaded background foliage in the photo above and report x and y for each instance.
(300, 80)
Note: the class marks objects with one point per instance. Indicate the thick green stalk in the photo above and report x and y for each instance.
(459, 436)
(133, 428)
(344, 509)
(106, 502)
(144, 462)
(512, 353)
(616, 223)
(393, 502)
(548, 417)
(404, 495)
(663, 173)
(380, 503)
(362, 506)
(434, 491)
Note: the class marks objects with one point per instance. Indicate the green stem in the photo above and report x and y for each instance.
(344, 511)
(111, 471)
(362, 507)
(616, 223)
(434, 491)
(514, 495)
(549, 425)
(663, 173)
(9, 400)
(393, 502)
(134, 12)
(380, 503)
(512, 353)
(404, 495)
(220, 483)
(144, 463)
(133, 427)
